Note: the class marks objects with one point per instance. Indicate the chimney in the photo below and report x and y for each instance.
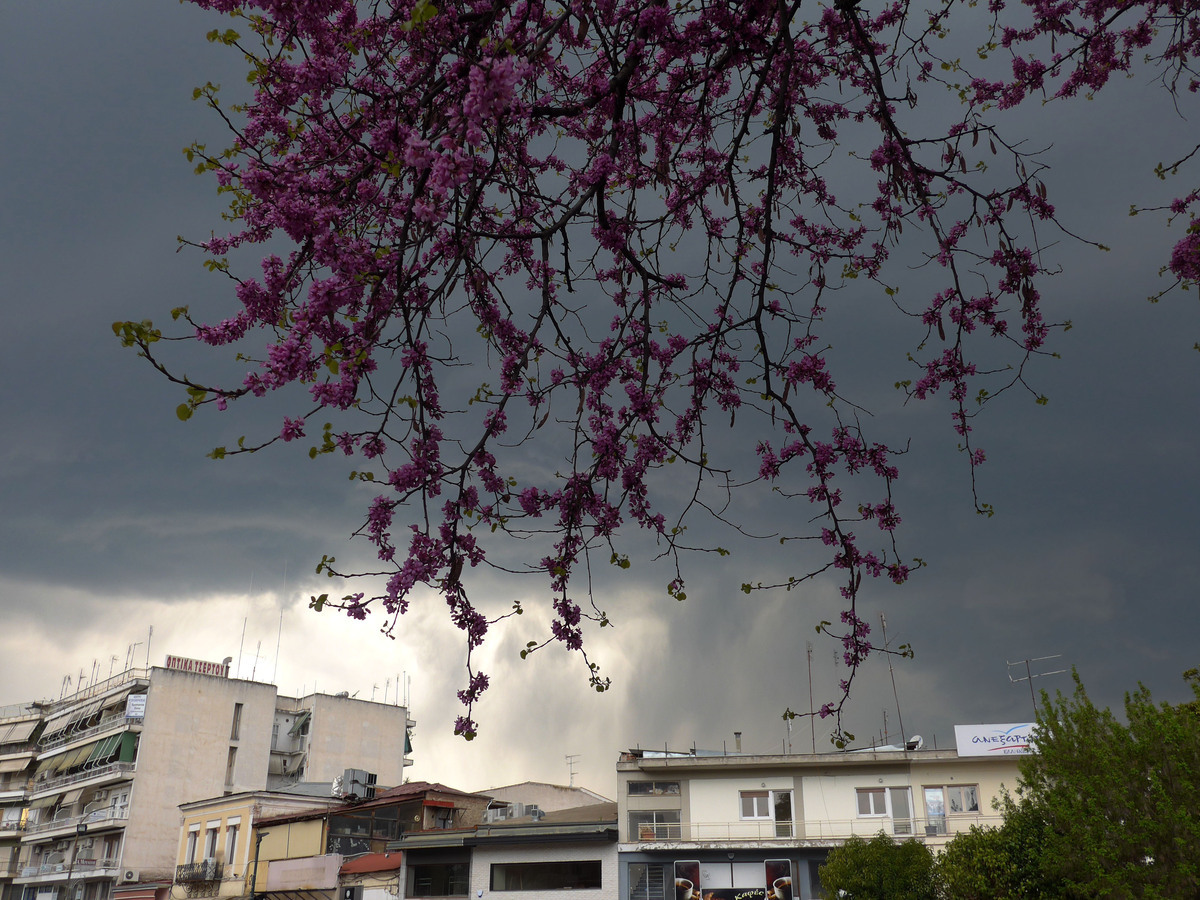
(737, 742)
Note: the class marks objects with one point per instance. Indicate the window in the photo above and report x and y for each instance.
(641, 788)
(237, 722)
(438, 880)
(231, 835)
(756, 804)
(890, 801)
(210, 840)
(647, 881)
(872, 802)
(547, 876)
(230, 765)
(654, 825)
(770, 805)
(963, 798)
(193, 838)
(443, 818)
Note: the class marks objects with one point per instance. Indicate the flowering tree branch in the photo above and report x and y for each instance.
(616, 231)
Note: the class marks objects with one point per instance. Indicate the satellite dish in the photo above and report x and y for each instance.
(916, 742)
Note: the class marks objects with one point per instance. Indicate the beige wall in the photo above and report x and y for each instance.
(354, 734)
(182, 754)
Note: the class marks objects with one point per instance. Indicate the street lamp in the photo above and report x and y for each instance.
(258, 839)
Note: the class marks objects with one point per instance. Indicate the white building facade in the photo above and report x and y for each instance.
(758, 827)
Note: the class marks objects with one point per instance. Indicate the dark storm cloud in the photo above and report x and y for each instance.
(112, 517)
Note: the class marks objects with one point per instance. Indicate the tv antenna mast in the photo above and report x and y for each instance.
(1029, 675)
(570, 758)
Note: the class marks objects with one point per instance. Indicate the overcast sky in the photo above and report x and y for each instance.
(114, 522)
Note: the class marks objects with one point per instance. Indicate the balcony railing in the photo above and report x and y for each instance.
(112, 723)
(821, 830)
(206, 870)
(98, 818)
(83, 866)
(55, 784)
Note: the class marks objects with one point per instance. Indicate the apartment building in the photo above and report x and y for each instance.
(20, 726)
(758, 827)
(112, 763)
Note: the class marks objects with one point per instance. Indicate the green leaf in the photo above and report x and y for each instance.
(183, 411)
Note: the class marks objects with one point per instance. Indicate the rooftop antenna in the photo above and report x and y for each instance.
(895, 693)
(112, 661)
(279, 639)
(812, 716)
(387, 686)
(570, 758)
(1029, 676)
(129, 654)
(149, 637)
(65, 684)
(254, 670)
(242, 642)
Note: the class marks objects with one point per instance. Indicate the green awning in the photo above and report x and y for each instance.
(299, 723)
(129, 744)
(104, 749)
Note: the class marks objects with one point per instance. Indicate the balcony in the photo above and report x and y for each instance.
(84, 867)
(99, 818)
(112, 770)
(817, 832)
(112, 723)
(207, 870)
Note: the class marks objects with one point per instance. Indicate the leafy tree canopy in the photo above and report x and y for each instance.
(880, 869)
(1121, 801)
(557, 273)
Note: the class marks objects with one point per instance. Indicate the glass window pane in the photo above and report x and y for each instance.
(971, 798)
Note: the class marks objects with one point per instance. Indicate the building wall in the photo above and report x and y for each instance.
(348, 733)
(714, 807)
(184, 753)
(483, 857)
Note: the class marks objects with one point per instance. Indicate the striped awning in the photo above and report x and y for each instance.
(14, 765)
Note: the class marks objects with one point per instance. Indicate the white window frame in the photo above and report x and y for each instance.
(761, 806)
(193, 840)
(875, 793)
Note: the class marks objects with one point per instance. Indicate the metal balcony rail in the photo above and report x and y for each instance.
(206, 870)
(813, 829)
(54, 784)
(110, 724)
(95, 690)
(81, 866)
(97, 818)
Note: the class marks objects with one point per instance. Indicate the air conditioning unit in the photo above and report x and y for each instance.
(87, 844)
(99, 795)
(62, 845)
(129, 875)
